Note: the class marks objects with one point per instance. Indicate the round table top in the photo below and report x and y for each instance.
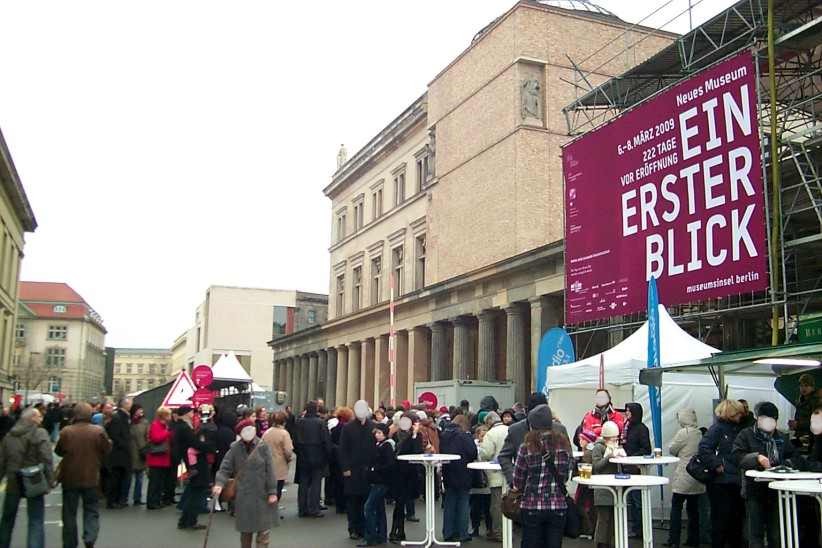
(764, 474)
(433, 457)
(609, 480)
(809, 486)
(484, 465)
(644, 461)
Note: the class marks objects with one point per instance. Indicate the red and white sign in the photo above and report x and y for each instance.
(673, 189)
(201, 396)
(181, 392)
(202, 376)
(429, 399)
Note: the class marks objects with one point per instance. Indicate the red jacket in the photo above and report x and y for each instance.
(159, 433)
(592, 422)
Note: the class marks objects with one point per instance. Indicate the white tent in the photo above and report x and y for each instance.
(572, 386)
(228, 368)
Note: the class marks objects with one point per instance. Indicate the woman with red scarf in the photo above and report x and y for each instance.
(602, 412)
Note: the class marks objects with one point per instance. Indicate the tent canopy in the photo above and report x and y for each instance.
(228, 370)
(624, 361)
(760, 362)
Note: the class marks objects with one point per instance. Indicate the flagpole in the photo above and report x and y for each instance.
(392, 347)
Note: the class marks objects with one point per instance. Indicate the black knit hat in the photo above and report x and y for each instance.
(540, 418)
(767, 409)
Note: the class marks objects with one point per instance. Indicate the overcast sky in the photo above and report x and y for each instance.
(166, 146)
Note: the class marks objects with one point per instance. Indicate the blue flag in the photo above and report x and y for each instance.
(555, 348)
(654, 360)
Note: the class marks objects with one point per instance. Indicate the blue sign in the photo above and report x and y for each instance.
(654, 360)
(555, 348)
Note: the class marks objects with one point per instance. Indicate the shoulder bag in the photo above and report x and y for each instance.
(32, 479)
(511, 505)
(229, 492)
(573, 524)
(698, 469)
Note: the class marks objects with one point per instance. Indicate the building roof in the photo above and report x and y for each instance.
(10, 181)
(41, 298)
(159, 351)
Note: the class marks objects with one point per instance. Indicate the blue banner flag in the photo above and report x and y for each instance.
(654, 360)
(555, 348)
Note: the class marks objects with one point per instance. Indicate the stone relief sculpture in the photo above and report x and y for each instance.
(342, 157)
(531, 101)
(432, 151)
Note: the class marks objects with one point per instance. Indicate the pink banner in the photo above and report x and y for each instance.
(673, 189)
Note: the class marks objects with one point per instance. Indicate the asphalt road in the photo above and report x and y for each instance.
(136, 527)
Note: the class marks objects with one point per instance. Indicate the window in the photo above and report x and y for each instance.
(341, 225)
(57, 332)
(280, 326)
(399, 188)
(118, 386)
(20, 332)
(55, 357)
(140, 368)
(59, 309)
(376, 204)
(359, 215)
(54, 384)
(140, 384)
(356, 298)
(340, 294)
(164, 369)
(422, 171)
(311, 316)
(128, 368)
(419, 274)
(397, 257)
(151, 368)
(376, 275)
(127, 385)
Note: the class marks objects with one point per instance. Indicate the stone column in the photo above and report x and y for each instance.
(303, 380)
(331, 379)
(439, 352)
(275, 370)
(367, 372)
(462, 348)
(289, 381)
(312, 377)
(419, 359)
(546, 312)
(401, 358)
(298, 377)
(354, 364)
(340, 388)
(283, 382)
(322, 374)
(486, 370)
(382, 371)
(515, 352)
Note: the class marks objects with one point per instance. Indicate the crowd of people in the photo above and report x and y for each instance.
(238, 460)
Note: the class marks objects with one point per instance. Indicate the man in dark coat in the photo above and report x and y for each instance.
(357, 454)
(199, 478)
(760, 447)
(456, 477)
(636, 440)
(516, 435)
(119, 460)
(809, 518)
(313, 446)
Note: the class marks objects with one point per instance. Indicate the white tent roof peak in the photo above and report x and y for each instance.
(228, 368)
(623, 361)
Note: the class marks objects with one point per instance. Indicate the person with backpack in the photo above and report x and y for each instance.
(542, 467)
(686, 490)
(26, 445)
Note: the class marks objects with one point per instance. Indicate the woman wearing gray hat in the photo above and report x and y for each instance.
(542, 467)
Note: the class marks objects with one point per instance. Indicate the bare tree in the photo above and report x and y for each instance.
(32, 375)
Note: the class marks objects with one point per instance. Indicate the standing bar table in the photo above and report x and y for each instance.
(430, 462)
(620, 488)
(507, 524)
(788, 489)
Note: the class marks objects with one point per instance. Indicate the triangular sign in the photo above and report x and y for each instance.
(181, 392)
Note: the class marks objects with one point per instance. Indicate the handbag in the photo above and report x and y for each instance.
(573, 523)
(157, 448)
(33, 481)
(698, 469)
(511, 505)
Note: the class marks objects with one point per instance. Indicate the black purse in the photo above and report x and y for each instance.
(573, 523)
(698, 469)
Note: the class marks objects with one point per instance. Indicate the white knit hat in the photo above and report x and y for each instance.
(610, 430)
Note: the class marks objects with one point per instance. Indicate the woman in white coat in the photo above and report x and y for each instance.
(489, 450)
(684, 487)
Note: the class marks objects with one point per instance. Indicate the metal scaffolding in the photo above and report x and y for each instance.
(797, 262)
